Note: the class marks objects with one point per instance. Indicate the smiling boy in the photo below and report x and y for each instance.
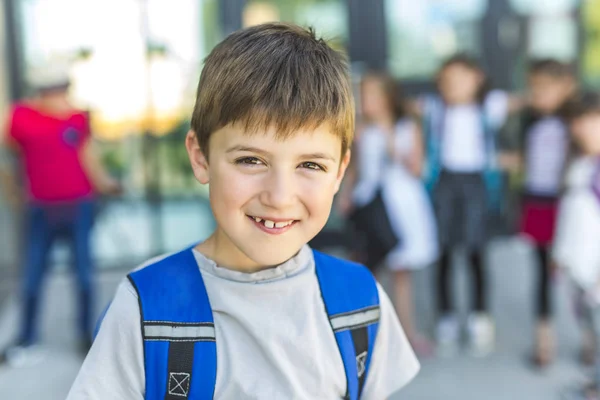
(253, 312)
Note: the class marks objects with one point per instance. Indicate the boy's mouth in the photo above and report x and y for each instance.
(272, 226)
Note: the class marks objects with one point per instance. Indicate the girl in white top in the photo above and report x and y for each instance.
(460, 123)
(388, 156)
(576, 245)
(578, 230)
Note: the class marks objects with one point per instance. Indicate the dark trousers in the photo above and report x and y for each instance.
(544, 298)
(44, 224)
(478, 283)
(461, 203)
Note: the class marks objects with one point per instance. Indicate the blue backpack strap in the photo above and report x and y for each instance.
(433, 125)
(180, 352)
(351, 300)
(493, 176)
(490, 139)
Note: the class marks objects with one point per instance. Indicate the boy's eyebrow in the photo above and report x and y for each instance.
(245, 148)
(322, 156)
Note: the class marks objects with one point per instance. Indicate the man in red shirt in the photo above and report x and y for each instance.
(62, 175)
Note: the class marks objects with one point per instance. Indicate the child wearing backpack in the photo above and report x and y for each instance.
(460, 127)
(253, 312)
(578, 227)
(389, 156)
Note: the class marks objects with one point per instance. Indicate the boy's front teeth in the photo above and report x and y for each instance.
(273, 224)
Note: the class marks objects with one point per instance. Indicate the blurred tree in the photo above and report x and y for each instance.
(590, 66)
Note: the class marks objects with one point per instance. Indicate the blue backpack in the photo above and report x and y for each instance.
(180, 349)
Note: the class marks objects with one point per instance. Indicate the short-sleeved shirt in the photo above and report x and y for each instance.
(544, 143)
(50, 149)
(373, 162)
(576, 243)
(546, 147)
(274, 340)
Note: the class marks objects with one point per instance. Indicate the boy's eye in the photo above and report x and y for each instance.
(312, 165)
(249, 161)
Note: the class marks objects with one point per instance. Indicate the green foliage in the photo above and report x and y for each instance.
(112, 159)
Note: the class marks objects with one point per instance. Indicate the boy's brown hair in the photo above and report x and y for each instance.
(277, 75)
(391, 91)
(462, 59)
(582, 105)
(550, 67)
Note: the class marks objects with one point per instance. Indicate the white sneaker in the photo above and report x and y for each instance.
(447, 335)
(482, 334)
(24, 356)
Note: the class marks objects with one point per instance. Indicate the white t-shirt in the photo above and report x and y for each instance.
(578, 227)
(274, 341)
(464, 149)
(373, 161)
(547, 146)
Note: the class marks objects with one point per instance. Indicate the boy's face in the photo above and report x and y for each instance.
(269, 196)
(459, 84)
(586, 132)
(548, 93)
(374, 102)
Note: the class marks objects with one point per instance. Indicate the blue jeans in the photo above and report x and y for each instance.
(44, 224)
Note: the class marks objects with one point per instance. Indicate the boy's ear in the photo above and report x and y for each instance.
(342, 170)
(197, 158)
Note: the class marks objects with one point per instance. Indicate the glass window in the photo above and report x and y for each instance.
(137, 77)
(421, 34)
(9, 243)
(4, 90)
(551, 32)
(135, 65)
(552, 28)
(328, 17)
(547, 7)
(553, 36)
(178, 35)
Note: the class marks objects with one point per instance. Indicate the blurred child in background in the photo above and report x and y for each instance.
(578, 229)
(389, 157)
(63, 173)
(544, 147)
(461, 125)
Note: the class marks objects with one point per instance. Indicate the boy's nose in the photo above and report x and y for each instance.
(279, 191)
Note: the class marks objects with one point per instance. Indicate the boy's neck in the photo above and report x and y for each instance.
(233, 260)
(461, 103)
(546, 113)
